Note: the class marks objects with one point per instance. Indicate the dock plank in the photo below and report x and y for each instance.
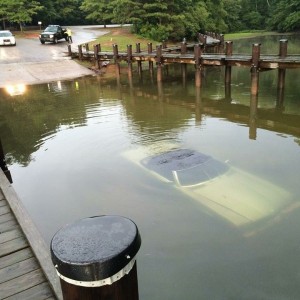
(5, 218)
(26, 270)
(22, 283)
(9, 225)
(15, 257)
(38, 292)
(13, 246)
(10, 235)
(4, 210)
(18, 269)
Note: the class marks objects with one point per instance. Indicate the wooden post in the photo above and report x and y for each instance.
(198, 105)
(69, 50)
(150, 62)
(183, 66)
(87, 47)
(129, 60)
(255, 55)
(96, 56)
(283, 48)
(164, 44)
(3, 165)
(139, 63)
(281, 72)
(116, 57)
(253, 117)
(197, 53)
(183, 49)
(228, 52)
(159, 62)
(80, 55)
(2, 157)
(221, 43)
(255, 69)
(95, 258)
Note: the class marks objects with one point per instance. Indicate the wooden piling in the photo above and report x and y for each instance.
(159, 62)
(183, 49)
(283, 48)
(97, 49)
(139, 63)
(87, 47)
(109, 270)
(116, 57)
(197, 54)
(281, 72)
(129, 60)
(150, 50)
(255, 69)
(3, 165)
(228, 69)
(253, 117)
(69, 50)
(80, 55)
(2, 157)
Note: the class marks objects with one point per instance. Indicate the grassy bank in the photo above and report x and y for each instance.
(122, 37)
(250, 34)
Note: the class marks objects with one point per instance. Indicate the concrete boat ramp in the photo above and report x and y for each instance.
(41, 72)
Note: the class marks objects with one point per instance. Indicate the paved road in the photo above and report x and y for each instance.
(31, 62)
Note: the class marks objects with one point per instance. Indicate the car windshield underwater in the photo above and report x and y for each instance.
(240, 198)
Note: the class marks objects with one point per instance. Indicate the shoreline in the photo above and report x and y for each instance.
(30, 73)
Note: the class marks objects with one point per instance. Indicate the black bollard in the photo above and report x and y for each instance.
(95, 258)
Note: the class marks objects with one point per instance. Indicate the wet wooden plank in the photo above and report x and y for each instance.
(13, 246)
(38, 292)
(9, 225)
(15, 257)
(10, 235)
(4, 210)
(18, 269)
(32, 235)
(21, 283)
(5, 218)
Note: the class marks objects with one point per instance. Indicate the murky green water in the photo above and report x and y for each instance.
(74, 151)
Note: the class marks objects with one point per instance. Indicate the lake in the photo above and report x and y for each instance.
(83, 147)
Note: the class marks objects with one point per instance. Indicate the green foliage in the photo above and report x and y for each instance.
(156, 33)
(285, 15)
(19, 11)
(160, 19)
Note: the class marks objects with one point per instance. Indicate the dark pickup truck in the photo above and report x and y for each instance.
(53, 33)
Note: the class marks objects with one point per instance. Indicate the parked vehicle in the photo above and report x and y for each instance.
(53, 33)
(7, 38)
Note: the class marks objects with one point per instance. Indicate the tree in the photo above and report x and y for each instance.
(285, 15)
(97, 10)
(19, 11)
(232, 17)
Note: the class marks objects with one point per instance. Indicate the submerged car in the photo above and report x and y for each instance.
(238, 197)
(7, 38)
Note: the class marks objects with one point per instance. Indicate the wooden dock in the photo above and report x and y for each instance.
(26, 270)
(197, 55)
(180, 54)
